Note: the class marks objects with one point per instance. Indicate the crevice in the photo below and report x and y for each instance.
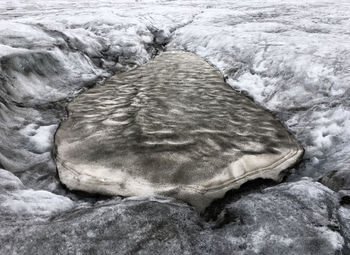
(161, 39)
(217, 207)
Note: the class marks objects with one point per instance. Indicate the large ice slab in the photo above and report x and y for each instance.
(171, 127)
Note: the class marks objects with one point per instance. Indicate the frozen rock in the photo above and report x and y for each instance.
(171, 127)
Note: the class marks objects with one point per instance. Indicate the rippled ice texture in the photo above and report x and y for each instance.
(292, 57)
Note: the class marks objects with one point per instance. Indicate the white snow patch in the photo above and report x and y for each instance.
(40, 136)
(36, 202)
(15, 199)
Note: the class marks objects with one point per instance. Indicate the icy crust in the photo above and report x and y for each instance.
(290, 218)
(171, 127)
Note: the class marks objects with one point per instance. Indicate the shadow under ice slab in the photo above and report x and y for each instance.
(171, 127)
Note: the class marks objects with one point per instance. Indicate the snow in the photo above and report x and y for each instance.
(14, 198)
(40, 136)
(39, 202)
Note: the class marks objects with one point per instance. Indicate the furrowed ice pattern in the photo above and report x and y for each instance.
(292, 57)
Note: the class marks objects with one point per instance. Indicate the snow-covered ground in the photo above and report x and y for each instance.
(291, 56)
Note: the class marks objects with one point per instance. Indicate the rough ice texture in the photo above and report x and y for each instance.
(290, 56)
(172, 127)
(296, 218)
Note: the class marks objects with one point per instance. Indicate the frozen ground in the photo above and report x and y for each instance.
(292, 57)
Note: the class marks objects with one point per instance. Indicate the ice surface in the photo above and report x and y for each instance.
(289, 59)
(271, 222)
(172, 127)
(292, 57)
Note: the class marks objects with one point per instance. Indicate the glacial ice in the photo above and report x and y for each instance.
(171, 127)
(292, 57)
